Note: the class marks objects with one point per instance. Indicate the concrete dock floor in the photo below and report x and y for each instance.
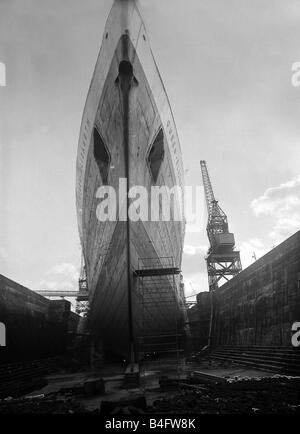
(113, 376)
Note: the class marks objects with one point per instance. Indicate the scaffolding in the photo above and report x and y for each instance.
(160, 341)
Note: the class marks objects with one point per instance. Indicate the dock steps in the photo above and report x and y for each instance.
(284, 360)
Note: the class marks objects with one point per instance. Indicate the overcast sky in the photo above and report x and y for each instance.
(226, 66)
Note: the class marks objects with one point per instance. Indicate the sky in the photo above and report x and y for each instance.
(227, 68)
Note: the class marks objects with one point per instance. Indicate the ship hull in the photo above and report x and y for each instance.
(126, 111)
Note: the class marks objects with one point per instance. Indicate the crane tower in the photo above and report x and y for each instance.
(82, 305)
(223, 261)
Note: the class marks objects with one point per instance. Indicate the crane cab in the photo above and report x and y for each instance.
(223, 241)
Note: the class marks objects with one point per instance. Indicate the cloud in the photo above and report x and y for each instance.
(3, 253)
(251, 250)
(194, 250)
(282, 205)
(195, 283)
(64, 269)
(62, 277)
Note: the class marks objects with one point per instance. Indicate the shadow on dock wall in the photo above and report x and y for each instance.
(35, 326)
(199, 320)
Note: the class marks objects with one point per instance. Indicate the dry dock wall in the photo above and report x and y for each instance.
(199, 320)
(259, 306)
(35, 326)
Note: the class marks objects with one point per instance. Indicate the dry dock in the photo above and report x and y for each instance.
(254, 313)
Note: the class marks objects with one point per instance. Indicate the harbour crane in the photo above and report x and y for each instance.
(81, 295)
(223, 261)
(82, 305)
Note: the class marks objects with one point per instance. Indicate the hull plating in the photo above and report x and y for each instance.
(128, 112)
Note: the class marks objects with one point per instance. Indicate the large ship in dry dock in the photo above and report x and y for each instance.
(128, 133)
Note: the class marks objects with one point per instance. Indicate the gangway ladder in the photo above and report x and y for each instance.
(159, 342)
